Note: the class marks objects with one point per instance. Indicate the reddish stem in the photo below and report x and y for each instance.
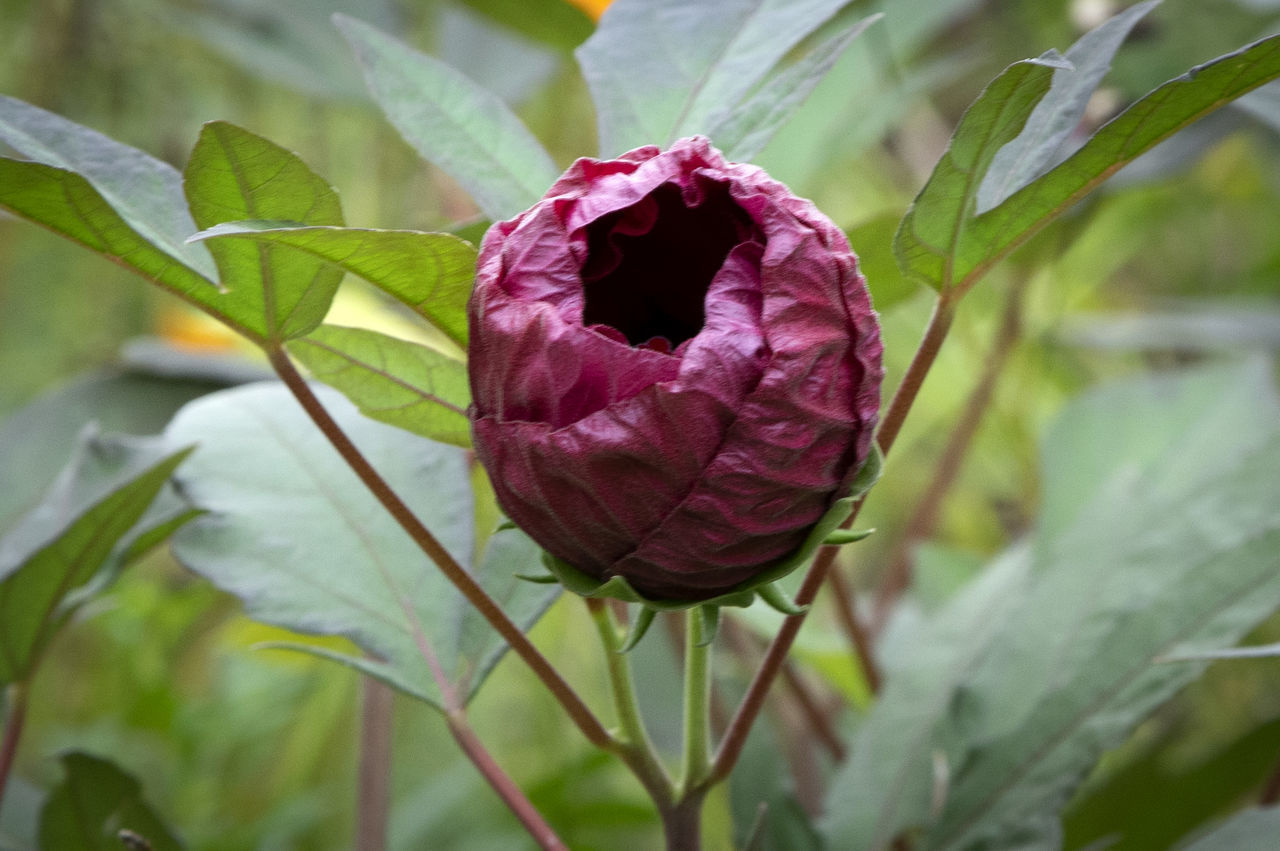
(847, 614)
(374, 791)
(578, 711)
(12, 732)
(502, 783)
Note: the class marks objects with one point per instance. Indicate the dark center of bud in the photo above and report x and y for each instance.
(649, 265)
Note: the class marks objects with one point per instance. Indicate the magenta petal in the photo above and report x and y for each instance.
(675, 369)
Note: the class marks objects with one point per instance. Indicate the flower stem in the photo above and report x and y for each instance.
(697, 701)
(12, 732)
(634, 744)
(736, 735)
(502, 783)
(577, 710)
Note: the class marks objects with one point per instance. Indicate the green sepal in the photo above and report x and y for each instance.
(841, 537)
(779, 601)
(710, 623)
(639, 626)
(543, 579)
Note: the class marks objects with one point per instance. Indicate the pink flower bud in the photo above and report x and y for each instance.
(675, 370)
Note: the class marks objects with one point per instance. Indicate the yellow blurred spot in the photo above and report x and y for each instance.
(594, 8)
(186, 329)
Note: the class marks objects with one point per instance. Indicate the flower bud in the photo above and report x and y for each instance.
(675, 370)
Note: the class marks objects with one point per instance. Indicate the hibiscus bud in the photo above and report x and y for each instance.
(675, 370)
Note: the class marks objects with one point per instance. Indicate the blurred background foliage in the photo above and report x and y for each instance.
(1177, 261)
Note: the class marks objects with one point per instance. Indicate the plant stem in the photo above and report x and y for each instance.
(634, 745)
(17, 699)
(897, 578)
(502, 783)
(578, 711)
(847, 615)
(736, 735)
(697, 701)
(374, 793)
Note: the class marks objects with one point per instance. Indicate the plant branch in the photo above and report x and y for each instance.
(897, 578)
(502, 783)
(12, 732)
(736, 736)
(847, 615)
(374, 791)
(577, 710)
(634, 745)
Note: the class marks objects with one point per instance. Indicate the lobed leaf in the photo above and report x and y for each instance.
(1059, 112)
(295, 535)
(95, 803)
(430, 272)
(451, 121)
(659, 71)
(394, 381)
(95, 519)
(1157, 539)
(233, 175)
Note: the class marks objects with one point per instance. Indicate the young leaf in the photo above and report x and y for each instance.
(234, 175)
(466, 130)
(743, 131)
(295, 535)
(394, 381)
(144, 193)
(929, 237)
(96, 517)
(1058, 114)
(430, 272)
(1158, 538)
(663, 69)
(95, 803)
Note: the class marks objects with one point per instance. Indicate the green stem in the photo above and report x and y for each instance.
(634, 744)
(12, 732)
(697, 700)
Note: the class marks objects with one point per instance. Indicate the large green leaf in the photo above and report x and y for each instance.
(97, 517)
(943, 242)
(1157, 538)
(295, 535)
(430, 272)
(466, 130)
(96, 803)
(234, 175)
(144, 192)
(663, 69)
(393, 381)
(1058, 114)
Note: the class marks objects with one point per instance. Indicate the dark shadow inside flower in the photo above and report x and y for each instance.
(649, 265)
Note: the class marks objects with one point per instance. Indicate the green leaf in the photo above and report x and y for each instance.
(144, 192)
(660, 70)
(1158, 538)
(552, 22)
(1250, 830)
(394, 381)
(928, 238)
(430, 272)
(295, 535)
(96, 517)
(743, 131)
(1255, 651)
(464, 129)
(94, 805)
(945, 245)
(234, 175)
(1059, 113)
